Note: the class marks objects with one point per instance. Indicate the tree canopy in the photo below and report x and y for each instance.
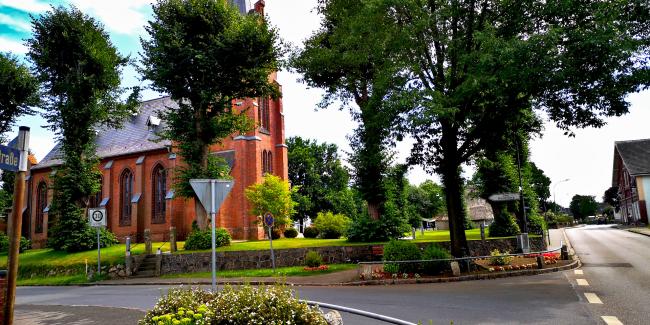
(18, 92)
(79, 69)
(583, 206)
(272, 195)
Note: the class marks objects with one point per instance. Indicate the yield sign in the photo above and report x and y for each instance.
(211, 192)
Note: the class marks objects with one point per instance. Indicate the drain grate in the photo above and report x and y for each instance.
(606, 265)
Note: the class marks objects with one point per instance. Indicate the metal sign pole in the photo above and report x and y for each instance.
(272, 253)
(99, 254)
(15, 224)
(213, 216)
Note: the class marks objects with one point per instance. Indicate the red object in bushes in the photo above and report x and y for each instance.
(319, 268)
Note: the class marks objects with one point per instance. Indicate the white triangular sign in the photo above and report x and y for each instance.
(203, 190)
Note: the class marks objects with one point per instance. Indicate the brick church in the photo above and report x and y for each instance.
(137, 172)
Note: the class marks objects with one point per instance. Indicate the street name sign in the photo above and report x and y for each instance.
(9, 158)
(97, 217)
(502, 197)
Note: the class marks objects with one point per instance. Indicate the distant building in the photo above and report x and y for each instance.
(479, 210)
(631, 174)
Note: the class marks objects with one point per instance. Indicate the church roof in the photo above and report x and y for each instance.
(136, 135)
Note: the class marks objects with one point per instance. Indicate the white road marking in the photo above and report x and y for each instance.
(593, 298)
(611, 320)
(578, 272)
(582, 282)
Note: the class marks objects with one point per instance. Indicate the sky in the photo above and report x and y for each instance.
(578, 165)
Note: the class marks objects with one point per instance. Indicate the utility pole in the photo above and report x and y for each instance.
(15, 224)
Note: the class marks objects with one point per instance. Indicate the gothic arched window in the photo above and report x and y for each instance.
(41, 204)
(159, 191)
(126, 195)
(264, 114)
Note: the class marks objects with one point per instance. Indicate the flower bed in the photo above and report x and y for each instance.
(316, 268)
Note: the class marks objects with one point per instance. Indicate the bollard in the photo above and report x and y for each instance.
(172, 239)
(128, 245)
(483, 232)
(147, 241)
(540, 262)
(564, 253)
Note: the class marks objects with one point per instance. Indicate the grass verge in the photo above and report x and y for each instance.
(279, 272)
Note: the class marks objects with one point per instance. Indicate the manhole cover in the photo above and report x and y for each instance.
(606, 265)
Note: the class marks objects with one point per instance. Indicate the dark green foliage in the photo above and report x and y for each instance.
(321, 178)
(310, 232)
(435, 252)
(611, 197)
(583, 206)
(202, 239)
(205, 54)
(18, 92)
(290, 233)
(399, 250)
(536, 224)
(540, 183)
(25, 244)
(504, 225)
(330, 225)
(79, 69)
(7, 191)
(313, 259)
(78, 241)
(276, 233)
(425, 201)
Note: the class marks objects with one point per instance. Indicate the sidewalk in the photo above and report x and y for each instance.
(639, 230)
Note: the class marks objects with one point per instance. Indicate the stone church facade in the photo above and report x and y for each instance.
(137, 173)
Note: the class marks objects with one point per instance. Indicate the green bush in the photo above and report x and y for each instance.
(399, 250)
(25, 244)
(276, 233)
(4, 242)
(364, 229)
(313, 259)
(435, 252)
(504, 225)
(290, 233)
(202, 239)
(233, 305)
(310, 232)
(536, 224)
(79, 241)
(330, 225)
(496, 259)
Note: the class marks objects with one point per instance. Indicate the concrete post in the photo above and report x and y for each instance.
(147, 241)
(540, 262)
(564, 255)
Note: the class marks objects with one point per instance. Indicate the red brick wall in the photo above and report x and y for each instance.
(3, 294)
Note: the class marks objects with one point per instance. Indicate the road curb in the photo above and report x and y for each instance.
(638, 232)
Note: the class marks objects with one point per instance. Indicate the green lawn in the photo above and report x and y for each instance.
(40, 262)
(53, 281)
(281, 272)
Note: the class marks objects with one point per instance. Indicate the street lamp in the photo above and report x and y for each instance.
(554, 186)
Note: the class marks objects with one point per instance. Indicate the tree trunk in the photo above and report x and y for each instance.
(200, 211)
(454, 189)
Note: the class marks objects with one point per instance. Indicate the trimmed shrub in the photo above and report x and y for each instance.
(233, 305)
(202, 239)
(435, 252)
(330, 225)
(275, 233)
(313, 259)
(398, 250)
(504, 225)
(290, 233)
(25, 244)
(310, 232)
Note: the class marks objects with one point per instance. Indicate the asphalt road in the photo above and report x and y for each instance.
(616, 268)
(544, 299)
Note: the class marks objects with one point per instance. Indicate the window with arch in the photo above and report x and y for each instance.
(159, 191)
(264, 115)
(126, 195)
(41, 204)
(267, 162)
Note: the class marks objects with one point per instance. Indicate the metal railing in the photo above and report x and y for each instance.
(467, 260)
(358, 312)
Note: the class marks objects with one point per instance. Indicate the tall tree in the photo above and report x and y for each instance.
(612, 198)
(480, 66)
(426, 200)
(79, 69)
(18, 92)
(321, 179)
(347, 57)
(205, 54)
(583, 206)
(541, 185)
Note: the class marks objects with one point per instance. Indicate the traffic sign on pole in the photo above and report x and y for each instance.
(503, 197)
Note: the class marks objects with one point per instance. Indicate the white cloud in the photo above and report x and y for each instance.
(120, 16)
(26, 5)
(13, 46)
(15, 24)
